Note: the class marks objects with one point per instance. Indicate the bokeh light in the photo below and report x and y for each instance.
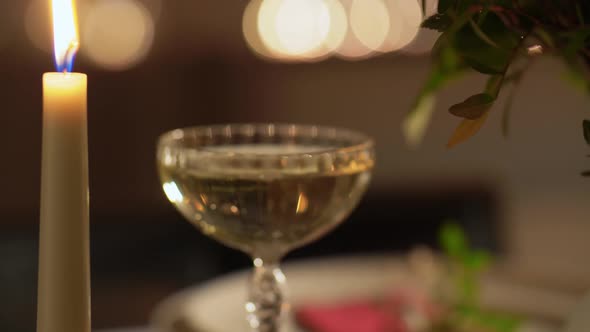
(154, 7)
(409, 12)
(312, 30)
(117, 34)
(396, 27)
(266, 27)
(351, 47)
(338, 25)
(426, 38)
(250, 29)
(369, 20)
(293, 29)
(302, 25)
(333, 30)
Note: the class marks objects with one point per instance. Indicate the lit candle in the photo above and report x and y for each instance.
(64, 263)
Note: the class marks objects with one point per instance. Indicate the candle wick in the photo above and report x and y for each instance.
(67, 62)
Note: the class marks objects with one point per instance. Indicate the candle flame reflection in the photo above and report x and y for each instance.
(65, 34)
(172, 192)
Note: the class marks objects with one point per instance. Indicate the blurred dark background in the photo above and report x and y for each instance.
(521, 197)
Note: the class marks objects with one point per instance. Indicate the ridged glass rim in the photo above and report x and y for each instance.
(363, 141)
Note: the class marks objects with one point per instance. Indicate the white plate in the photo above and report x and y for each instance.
(217, 306)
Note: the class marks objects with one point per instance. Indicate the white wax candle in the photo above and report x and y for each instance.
(64, 264)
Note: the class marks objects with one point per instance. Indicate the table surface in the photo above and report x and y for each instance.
(128, 329)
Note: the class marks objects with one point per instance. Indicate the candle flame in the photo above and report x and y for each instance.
(65, 34)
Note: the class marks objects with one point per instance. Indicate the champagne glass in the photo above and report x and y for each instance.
(265, 189)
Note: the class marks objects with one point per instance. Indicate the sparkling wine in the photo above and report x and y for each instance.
(257, 209)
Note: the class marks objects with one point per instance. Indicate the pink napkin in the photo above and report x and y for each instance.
(359, 316)
(393, 312)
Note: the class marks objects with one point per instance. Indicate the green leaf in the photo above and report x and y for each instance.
(489, 55)
(576, 79)
(453, 240)
(576, 70)
(477, 105)
(544, 36)
(447, 61)
(466, 129)
(446, 68)
(489, 321)
(415, 124)
(480, 33)
(438, 22)
(576, 41)
(477, 260)
(473, 107)
(466, 268)
(468, 288)
(440, 45)
(494, 85)
(444, 42)
(586, 127)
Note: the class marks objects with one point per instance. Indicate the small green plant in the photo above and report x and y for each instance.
(467, 265)
(499, 39)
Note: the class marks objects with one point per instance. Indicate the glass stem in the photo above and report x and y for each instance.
(266, 306)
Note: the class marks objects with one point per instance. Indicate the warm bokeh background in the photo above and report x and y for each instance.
(522, 196)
